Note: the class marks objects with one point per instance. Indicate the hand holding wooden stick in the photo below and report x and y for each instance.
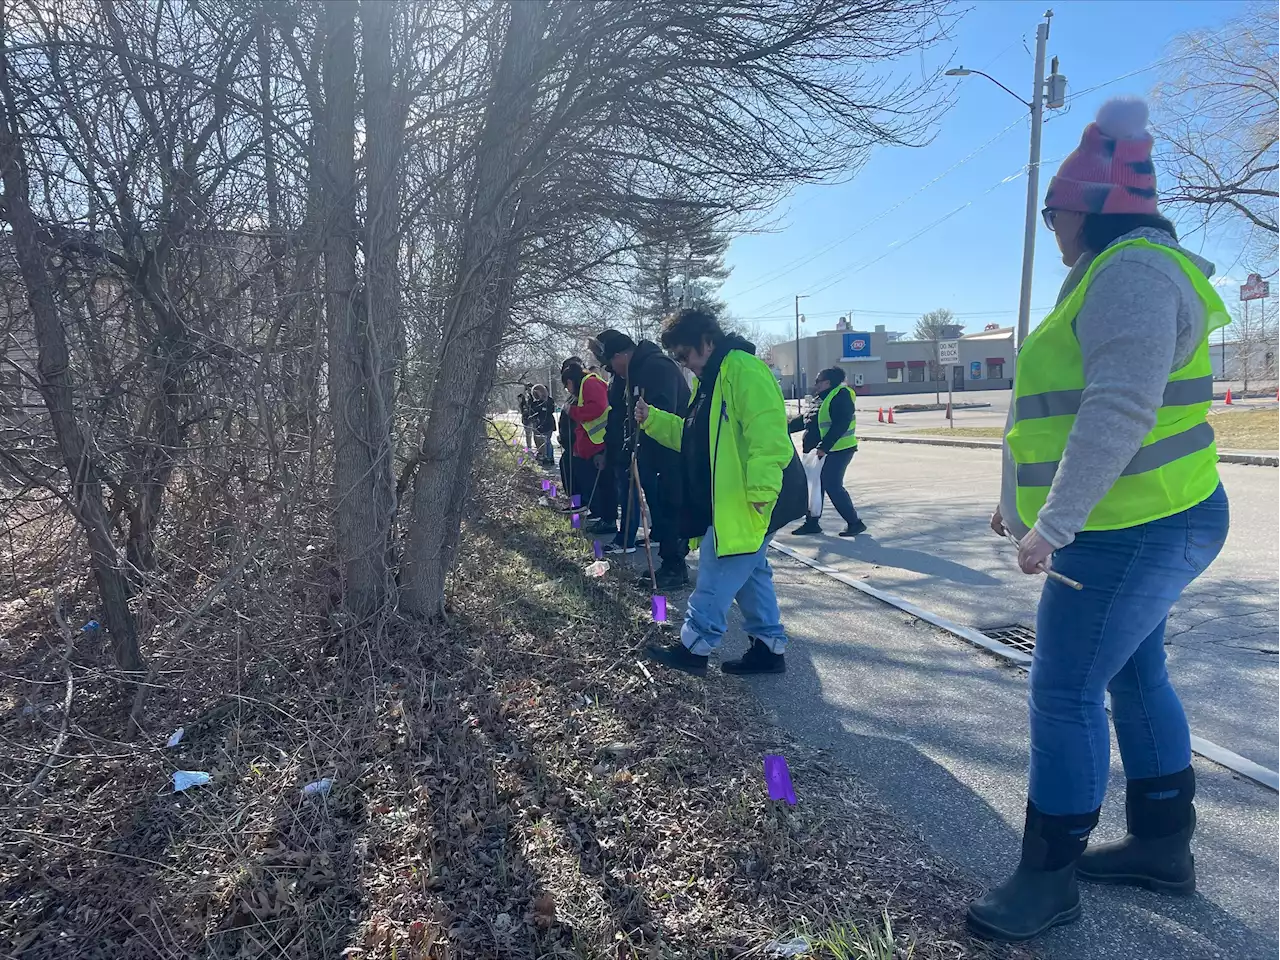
(1048, 572)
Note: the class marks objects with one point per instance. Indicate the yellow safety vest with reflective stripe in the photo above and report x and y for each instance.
(847, 440)
(594, 428)
(1177, 465)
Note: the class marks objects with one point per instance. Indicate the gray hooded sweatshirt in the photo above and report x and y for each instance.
(1141, 320)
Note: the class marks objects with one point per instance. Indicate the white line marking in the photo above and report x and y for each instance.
(1205, 748)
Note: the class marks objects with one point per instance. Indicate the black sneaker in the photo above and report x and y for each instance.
(853, 529)
(757, 659)
(614, 547)
(810, 526)
(669, 578)
(677, 656)
(603, 527)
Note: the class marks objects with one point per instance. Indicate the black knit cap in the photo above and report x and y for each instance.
(833, 376)
(608, 343)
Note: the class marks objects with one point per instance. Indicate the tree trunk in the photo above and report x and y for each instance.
(473, 328)
(384, 144)
(360, 516)
(31, 250)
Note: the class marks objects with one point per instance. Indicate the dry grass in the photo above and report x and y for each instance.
(1246, 429)
(1235, 429)
(509, 785)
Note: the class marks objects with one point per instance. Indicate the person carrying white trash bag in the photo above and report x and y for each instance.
(828, 445)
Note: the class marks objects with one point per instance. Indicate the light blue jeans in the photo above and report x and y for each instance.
(1110, 636)
(747, 578)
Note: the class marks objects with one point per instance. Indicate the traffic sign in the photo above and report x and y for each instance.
(948, 351)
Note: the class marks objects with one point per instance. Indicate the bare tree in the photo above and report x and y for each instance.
(1217, 117)
(934, 327)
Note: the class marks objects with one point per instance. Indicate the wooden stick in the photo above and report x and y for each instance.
(645, 517)
(1051, 574)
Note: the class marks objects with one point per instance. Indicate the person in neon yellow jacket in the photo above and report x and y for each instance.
(734, 450)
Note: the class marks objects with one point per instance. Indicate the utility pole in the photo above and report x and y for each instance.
(795, 383)
(1033, 184)
(1053, 95)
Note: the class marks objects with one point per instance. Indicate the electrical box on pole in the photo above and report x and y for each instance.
(1055, 88)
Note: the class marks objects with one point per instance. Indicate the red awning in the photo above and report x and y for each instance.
(916, 363)
(995, 360)
(894, 364)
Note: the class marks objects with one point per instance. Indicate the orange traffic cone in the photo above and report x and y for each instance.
(1228, 396)
(891, 414)
(881, 416)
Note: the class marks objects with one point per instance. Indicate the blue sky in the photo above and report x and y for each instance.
(904, 263)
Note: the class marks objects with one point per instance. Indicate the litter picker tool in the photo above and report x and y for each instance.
(645, 517)
(1051, 574)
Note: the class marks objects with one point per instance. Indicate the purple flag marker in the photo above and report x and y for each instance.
(778, 778)
(546, 485)
(575, 500)
(598, 550)
(659, 608)
(577, 521)
(552, 491)
(519, 461)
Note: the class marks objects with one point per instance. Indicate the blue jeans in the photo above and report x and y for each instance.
(747, 578)
(1110, 636)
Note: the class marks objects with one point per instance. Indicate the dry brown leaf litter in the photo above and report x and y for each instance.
(510, 785)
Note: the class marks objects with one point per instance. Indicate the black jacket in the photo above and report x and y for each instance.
(542, 415)
(841, 417)
(619, 426)
(658, 378)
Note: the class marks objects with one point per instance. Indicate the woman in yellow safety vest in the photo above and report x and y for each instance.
(829, 430)
(1111, 479)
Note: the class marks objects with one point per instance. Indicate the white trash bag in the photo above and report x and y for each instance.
(813, 472)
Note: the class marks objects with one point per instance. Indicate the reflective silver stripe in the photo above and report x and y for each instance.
(1064, 403)
(1181, 393)
(1151, 457)
(1054, 403)
(1162, 452)
(1037, 474)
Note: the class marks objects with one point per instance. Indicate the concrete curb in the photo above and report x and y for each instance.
(1253, 458)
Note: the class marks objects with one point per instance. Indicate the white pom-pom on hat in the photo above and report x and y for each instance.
(1124, 118)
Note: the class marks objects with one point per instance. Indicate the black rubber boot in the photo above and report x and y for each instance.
(677, 655)
(757, 659)
(1042, 892)
(809, 526)
(1156, 852)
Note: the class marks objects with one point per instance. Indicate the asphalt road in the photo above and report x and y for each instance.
(927, 508)
(938, 729)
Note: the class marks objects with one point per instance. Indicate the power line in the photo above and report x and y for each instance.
(793, 265)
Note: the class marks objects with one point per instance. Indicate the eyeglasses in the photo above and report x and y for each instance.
(1049, 215)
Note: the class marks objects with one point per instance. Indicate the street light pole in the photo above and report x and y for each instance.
(1033, 186)
(1056, 98)
(795, 382)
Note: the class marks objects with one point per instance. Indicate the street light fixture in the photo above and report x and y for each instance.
(1050, 93)
(795, 386)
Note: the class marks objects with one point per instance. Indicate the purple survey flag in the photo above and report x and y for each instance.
(659, 608)
(577, 521)
(520, 461)
(553, 491)
(546, 485)
(598, 549)
(575, 500)
(778, 778)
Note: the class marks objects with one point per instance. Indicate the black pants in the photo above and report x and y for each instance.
(664, 515)
(833, 467)
(579, 477)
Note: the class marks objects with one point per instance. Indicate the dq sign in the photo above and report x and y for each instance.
(1255, 288)
(856, 345)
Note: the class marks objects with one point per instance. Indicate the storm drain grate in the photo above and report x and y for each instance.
(1015, 635)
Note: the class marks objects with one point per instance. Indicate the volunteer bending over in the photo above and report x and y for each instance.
(734, 450)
